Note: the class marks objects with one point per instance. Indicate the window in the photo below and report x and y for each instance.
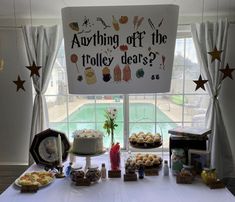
(182, 106)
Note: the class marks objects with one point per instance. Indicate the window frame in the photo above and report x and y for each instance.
(126, 102)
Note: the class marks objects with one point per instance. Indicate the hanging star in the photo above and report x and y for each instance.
(19, 83)
(34, 69)
(227, 72)
(200, 83)
(215, 54)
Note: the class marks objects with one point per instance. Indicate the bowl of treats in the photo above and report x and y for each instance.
(148, 160)
(145, 160)
(145, 140)
(130, 166)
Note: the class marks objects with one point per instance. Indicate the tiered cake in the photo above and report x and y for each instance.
(88, 142)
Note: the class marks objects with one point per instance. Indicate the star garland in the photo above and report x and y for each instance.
(200, 83)
(215, 54)
(227, 72)
(19, 83)
(34, 69)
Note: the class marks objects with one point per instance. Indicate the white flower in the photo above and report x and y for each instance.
(113, 116)
(113, 111)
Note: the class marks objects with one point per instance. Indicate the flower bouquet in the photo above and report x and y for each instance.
(109, 124)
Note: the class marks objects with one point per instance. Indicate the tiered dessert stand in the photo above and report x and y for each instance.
(88, 158)
(152, 170)
(149, 148)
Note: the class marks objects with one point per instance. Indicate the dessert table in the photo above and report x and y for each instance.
(151, 188)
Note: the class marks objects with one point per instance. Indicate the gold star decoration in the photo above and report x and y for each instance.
(34, 69)
(215, 54)
(200, 83)
(19, 83)
(227, 72)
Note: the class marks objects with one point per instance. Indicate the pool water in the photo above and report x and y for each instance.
(141, 115)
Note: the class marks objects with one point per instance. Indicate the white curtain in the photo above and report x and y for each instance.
(206, 37)
(42, 45)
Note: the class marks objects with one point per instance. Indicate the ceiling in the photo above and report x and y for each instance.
(52, 8)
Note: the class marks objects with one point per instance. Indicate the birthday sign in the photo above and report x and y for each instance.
(118, 50)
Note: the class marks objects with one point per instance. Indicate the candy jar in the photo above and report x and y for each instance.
(77, 174)
(209, 175)
(177, 159)
(190, 169)
(130, 166)
(93, 174)
(187, 170)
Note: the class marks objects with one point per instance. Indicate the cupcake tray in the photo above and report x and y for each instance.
(151, 171)
(146, 145)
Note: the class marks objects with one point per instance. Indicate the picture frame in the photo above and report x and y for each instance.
(200, 161)
(44, 149)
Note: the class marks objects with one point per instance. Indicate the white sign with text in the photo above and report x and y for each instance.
(121, 49)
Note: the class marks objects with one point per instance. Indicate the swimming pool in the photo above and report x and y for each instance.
(142, 117)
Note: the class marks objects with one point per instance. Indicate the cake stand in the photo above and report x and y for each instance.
(88, 158)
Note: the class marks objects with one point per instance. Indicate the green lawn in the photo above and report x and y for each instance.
(141, 118)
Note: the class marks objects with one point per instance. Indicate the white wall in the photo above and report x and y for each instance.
(15, 107)
(227, 95)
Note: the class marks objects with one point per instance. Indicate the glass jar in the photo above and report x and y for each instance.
(209, 175)
(177, 160)
(77, 174)
(93, 174)
(130, 166)
(188, 170)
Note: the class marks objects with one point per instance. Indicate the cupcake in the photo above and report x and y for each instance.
(145, 159)
(146, 155)
(156, 162)
(150, 141)
(140, 141)
(148, 163)
(150, 157)
(139, 158)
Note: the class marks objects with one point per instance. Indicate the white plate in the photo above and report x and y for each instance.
(19, 185)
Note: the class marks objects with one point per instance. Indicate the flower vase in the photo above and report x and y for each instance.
(114, 155)
(112, 140)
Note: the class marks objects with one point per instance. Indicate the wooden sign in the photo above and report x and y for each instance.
(119, 49)
(83, 182)
(151, 171)
(130, 177)
(184, 179)
(29, 188)
(114, 173)
(217, 185)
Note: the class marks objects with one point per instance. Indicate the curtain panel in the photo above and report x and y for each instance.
(207, 36)
(42, 44)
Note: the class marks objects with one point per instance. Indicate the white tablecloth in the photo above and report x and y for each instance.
(150, 189)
